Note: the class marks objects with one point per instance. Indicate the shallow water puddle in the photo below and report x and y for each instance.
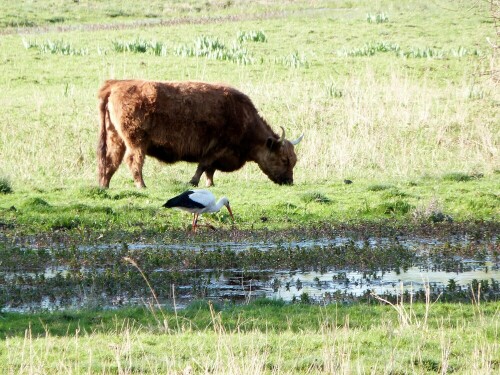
(346, 285)
(323, 270)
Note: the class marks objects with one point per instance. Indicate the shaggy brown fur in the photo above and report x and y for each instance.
(214, 125)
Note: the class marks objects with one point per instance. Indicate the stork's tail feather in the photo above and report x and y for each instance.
(169, 204)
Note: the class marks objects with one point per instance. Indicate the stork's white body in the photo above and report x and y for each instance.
(197, 202)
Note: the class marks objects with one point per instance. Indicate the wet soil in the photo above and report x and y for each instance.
(325, 264)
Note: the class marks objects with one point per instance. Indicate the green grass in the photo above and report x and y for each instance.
(214, 49)
(254, 36)
(265, 337)
(126, 209)
(377, 18)
(376, 117)
(140, 46)
(5, 187)
(55, 47)
(395, 96)
(46, 13)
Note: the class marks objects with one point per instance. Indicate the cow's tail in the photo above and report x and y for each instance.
(102, 146)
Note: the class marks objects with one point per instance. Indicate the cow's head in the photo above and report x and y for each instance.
(279, 159)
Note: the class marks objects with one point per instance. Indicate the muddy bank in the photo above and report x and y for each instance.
(485, 230)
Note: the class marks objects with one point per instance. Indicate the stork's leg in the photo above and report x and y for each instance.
(195, 222)
(205, 224)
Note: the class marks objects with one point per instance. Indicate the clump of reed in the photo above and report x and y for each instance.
(59, 47)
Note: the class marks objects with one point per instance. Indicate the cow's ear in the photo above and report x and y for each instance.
(272, 144)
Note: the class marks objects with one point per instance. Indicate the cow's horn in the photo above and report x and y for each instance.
(297, 141)
(282, 139)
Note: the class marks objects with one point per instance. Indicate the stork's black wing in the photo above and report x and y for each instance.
(183, 200)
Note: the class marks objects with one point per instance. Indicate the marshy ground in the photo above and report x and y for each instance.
(321, 265)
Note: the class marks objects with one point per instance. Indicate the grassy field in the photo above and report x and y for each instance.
(256, 206)
(400, 97)
(262, 338)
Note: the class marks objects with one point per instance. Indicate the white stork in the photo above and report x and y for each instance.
(197, 202)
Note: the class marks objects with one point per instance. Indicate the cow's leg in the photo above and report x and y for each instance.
(195, 180)
(135, 161)
(114, 157)
(209, 174)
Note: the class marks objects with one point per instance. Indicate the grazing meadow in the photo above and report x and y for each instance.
(399, 104)
(401, 99)
(266, 337)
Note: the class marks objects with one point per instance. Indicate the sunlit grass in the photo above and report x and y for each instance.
(377, 18)
(409, 338)
(213, 48)
(256, 204)
(55, 47)
(375, 119)
(293, 60)
(254, 36)
(378, 115)
(370, 49)
(44, 13)
(141, 46)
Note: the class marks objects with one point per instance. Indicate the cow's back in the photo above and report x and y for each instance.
(185, 120)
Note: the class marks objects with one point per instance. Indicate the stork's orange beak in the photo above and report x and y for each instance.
(230, 212)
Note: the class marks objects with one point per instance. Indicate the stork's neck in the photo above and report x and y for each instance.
(221, 202)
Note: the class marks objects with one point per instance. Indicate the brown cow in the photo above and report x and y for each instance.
(214, 125)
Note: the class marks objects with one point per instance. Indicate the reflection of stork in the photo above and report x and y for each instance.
(198, 201)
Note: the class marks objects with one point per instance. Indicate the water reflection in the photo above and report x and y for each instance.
(322, 270)
(354, 283)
